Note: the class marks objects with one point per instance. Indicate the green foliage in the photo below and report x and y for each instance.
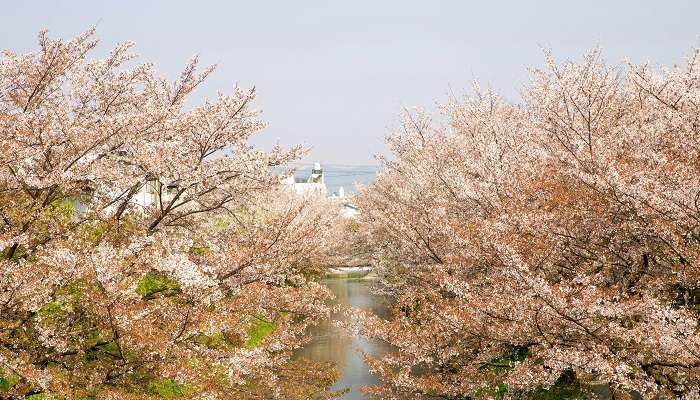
(259, 330)
(198, 250)
(54, 310)
(151, 284)
(556, 392)
(222, 223)
(507, 361)
(65, 208)
(94, 232)
(169, 388)
(66, 299)
(7, 382)
(566, 387)
(217, 340)
(111, 348)
(498, 392)
(18, 253)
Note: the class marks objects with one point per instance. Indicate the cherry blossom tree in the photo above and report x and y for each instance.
(147, 248)
(544, 247)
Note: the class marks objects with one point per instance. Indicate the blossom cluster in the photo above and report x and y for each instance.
(147, 248)
(546, 245)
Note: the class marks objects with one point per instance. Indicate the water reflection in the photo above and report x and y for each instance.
(331, 344)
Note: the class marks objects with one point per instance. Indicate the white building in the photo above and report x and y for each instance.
(149, 196)
(314, 183)
(347, 209)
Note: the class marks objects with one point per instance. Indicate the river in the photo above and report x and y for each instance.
(332, 344)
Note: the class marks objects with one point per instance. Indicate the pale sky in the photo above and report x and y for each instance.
(334, 75)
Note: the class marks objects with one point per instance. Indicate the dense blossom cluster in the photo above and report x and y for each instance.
(547, 246)
(202, 289)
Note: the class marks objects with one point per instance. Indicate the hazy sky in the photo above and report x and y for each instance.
(334, 74)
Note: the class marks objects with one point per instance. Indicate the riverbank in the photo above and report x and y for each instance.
(348, 273)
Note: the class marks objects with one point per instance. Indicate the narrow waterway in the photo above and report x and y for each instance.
(332, 344)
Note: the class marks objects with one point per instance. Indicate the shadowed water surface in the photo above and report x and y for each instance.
(331, 344)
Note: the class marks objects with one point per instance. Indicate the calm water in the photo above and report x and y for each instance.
(333, 344)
